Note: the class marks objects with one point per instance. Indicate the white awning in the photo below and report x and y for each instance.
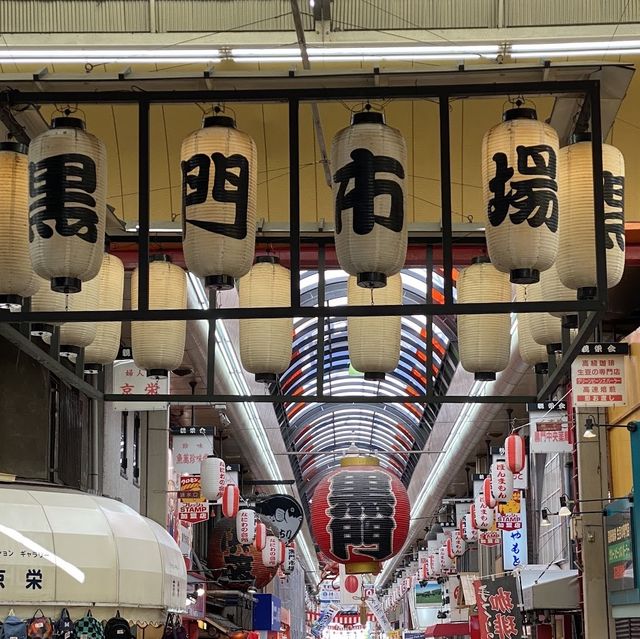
(549, 588)
(65, 548)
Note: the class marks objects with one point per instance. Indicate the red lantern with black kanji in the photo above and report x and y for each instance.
(238, 567)
(360, 514)
(515, 453)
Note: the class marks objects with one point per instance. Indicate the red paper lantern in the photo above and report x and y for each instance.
(351, 583)
(230, 500)
(515, 453)
(283, 551)
(261, 536)
(240, 567)
(360, 514)
(487, 493)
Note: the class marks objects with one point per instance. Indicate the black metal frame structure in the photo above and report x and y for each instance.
(590, 312)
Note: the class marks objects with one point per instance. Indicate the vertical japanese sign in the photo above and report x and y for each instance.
(498, 611)
(128, 379)
(508, 515)
(597, 375)
(514, 542)
(326, 617)
(549, 428)
(193, 508)
(621, 574)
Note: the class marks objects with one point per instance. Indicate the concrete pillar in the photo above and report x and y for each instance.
(593, 483)
(154, 466)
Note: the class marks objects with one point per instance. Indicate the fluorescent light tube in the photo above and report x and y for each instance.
(565, 54)
(575, 46)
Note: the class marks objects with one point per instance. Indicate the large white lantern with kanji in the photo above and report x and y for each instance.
(482, 514)
(219, 191)
(374, 342)
(16, 273)
(520, 185)
(212, 477)
(266, 344)
(369, 161)
(158, 346)
(484, 341)
(577, 256)
(501, 481)
(246, 526)
(531, 352)
(67, 204)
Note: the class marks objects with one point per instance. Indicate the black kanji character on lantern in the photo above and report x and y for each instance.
(232, 170)
(2, 576)
(366, 187)
(362, 506)
(534, 200)
(33, 579)
(237, 566)
(614, 198)
(60, 187)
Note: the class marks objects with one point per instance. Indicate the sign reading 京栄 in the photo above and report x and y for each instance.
(597, 375)
(193, 507)
(498, 608)
(549, 426)
(128, 379)
(619, 540)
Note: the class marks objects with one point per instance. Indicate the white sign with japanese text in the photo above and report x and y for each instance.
(514, 542)
(549, 430)
(188, 452)
(128, 379)
(597, 375)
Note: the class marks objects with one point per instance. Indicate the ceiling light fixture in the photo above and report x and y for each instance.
(564, 511)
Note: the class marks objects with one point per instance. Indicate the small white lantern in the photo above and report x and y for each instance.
(271, 552)
(16, 273)
(456, 546)
(266, 344)
(212, 477)
(369, 162)
(104, 348)
(484, 516)
(447, 564)
(576, 261)
(230, 501)
(501, 482)
(67, 204)
(520, 182)
(484, 341)
(158, 347)
(219, 191)
(374, 342)
(530, 351)
(467, 529)
(261, 536)
(246, 526)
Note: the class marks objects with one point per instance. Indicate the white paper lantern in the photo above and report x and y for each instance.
(212, 477)
(374, 342)
(484, 516)
(271, 552)
(553, 290)
(484, 341)
(104, 348)
(67, 204)
(246, 526)
(520, 182)
(289, 563)
(261, 536)
(435, 565)
(447, 564)
(266, 344)
(158, 346)
(369, 162)
(576, 258)
(530, 351)
(456, 546)
(16, 273)
(487, 493)
(466, 528)
(219, 191)
(546, 329)
(230, 501)
(501, 482)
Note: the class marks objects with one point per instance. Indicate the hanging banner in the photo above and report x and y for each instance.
(326, 617)
(498, 608)
(128, 379)
(193, 507)
(514, 542)
(597, 375)
(350, 588)
(283, 513)
(329, 592)
(549, 428)
(508, 515)
(375, 605)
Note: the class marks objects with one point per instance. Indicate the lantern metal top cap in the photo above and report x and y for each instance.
(584, 136)
(368, 117)
(66, 122)
(520, 113)
(218, 120)
(15, 147)
(267, 259)
(160, 257)
(354, 457)
(481, 259)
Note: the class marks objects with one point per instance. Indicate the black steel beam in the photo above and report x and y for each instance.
(320, 323)
(143, 205)
(445, 198)
(294, 200)
(53, 365)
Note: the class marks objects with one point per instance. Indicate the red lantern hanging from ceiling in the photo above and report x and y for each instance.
(261, 536)
(487, 493)
(515, 453)
(230, 500)
(239, 567)
(360, 514)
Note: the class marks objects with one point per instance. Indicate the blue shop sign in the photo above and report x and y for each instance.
(266, 613)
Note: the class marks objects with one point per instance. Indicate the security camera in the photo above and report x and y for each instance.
(224, 420)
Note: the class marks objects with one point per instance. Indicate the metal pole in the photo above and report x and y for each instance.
(320, 322)
(143, 205)
(294, 199)
(211, 346)
(445, 198)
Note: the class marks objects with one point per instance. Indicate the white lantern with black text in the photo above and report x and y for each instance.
(219, 191)
(369, 161)
(266, 344)
(67, 204)
(271, 552)
(484, 341)
(501, 481)
(246, 526)
(212, 477)
(446, 563)
(158, 346)
(520, 183)
(484, 516)
(16, 273)
(577, 257)
(456, 545)
(466, 528)
(374, 342)
(531, 352)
